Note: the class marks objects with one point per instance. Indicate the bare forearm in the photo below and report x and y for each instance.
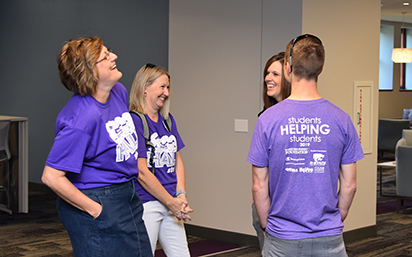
(180, 173)
(260, 192)
(57, 181)
(262, 203)
(152, 185)
(347, 178)
(345, 200)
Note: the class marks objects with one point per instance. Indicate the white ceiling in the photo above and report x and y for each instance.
(391, 10)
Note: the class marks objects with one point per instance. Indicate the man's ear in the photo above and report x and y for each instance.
(288, 72)
(287, 68)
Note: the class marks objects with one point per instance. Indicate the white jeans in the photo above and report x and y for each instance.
(162, 225)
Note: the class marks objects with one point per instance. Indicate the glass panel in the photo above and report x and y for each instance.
(385, 55)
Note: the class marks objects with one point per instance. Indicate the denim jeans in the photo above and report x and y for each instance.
(118, 231)
(328, 246)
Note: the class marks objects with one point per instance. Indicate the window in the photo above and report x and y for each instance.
(407, 35)
(385, 55)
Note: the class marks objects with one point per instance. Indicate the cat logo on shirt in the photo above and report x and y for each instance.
(123, 132)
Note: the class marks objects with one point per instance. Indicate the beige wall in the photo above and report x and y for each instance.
(350, 32)
(216, 52)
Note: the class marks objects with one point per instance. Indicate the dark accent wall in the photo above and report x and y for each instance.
(31, 35)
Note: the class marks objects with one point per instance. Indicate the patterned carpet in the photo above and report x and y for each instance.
(40, 233)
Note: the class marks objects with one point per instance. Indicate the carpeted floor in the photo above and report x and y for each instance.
(40, 232)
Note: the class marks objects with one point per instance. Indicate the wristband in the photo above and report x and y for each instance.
(263, 229)
(180, 192)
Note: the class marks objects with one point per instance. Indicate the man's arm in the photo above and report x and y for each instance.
(347, 179)
(260, 191)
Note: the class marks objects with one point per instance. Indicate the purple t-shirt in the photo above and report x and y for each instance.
(166, 144)
(304, 143)
(96, 143)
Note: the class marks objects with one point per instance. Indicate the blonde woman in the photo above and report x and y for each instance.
(161, 181)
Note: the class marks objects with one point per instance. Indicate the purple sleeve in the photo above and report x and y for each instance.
(258, 152)
(68, 150)
(352, 151)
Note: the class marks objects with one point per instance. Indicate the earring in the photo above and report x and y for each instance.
(145, 94)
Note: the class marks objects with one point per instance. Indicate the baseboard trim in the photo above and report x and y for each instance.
(359, 234)
(248, 240)
(238, 238)
(221, 235)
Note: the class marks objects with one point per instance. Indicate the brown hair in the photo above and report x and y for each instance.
(308, 57)
(285, 85)
(77, 64)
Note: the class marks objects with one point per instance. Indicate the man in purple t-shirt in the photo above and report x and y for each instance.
(300, 149)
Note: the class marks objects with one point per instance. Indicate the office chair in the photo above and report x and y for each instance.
(389, 132)
(403, 168)
(4, 158)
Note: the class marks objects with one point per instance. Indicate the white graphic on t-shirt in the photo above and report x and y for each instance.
(123, 132)
(318, 160)
(165, 151)
(305, 130)
(318, 157)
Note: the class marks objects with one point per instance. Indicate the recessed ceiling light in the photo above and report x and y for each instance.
(405, 3)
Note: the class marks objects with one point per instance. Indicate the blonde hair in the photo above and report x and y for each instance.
(144, 78)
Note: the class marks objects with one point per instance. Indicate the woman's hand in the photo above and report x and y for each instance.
(175, 206)
(97, 210)
(58, 182)
(185, 209)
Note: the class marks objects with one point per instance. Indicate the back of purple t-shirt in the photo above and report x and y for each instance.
(304, 143)
(96, 143)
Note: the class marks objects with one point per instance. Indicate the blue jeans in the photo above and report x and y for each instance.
(118, 231)
(328, 246)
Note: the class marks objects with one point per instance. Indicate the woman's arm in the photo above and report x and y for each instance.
(153, 186)
(181, 185)
(58, 182)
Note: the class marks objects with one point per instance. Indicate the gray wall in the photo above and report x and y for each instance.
(217, 50)
(31, 35)
(216, 53)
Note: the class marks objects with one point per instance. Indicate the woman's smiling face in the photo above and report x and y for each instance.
(107, 71)
(273, 80)
(157, 92)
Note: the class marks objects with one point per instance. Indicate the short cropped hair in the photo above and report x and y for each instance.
(144, 78)
(308, 57)
(285, 85)
(77, 64)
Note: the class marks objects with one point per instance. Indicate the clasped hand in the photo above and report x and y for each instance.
(180, 208)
